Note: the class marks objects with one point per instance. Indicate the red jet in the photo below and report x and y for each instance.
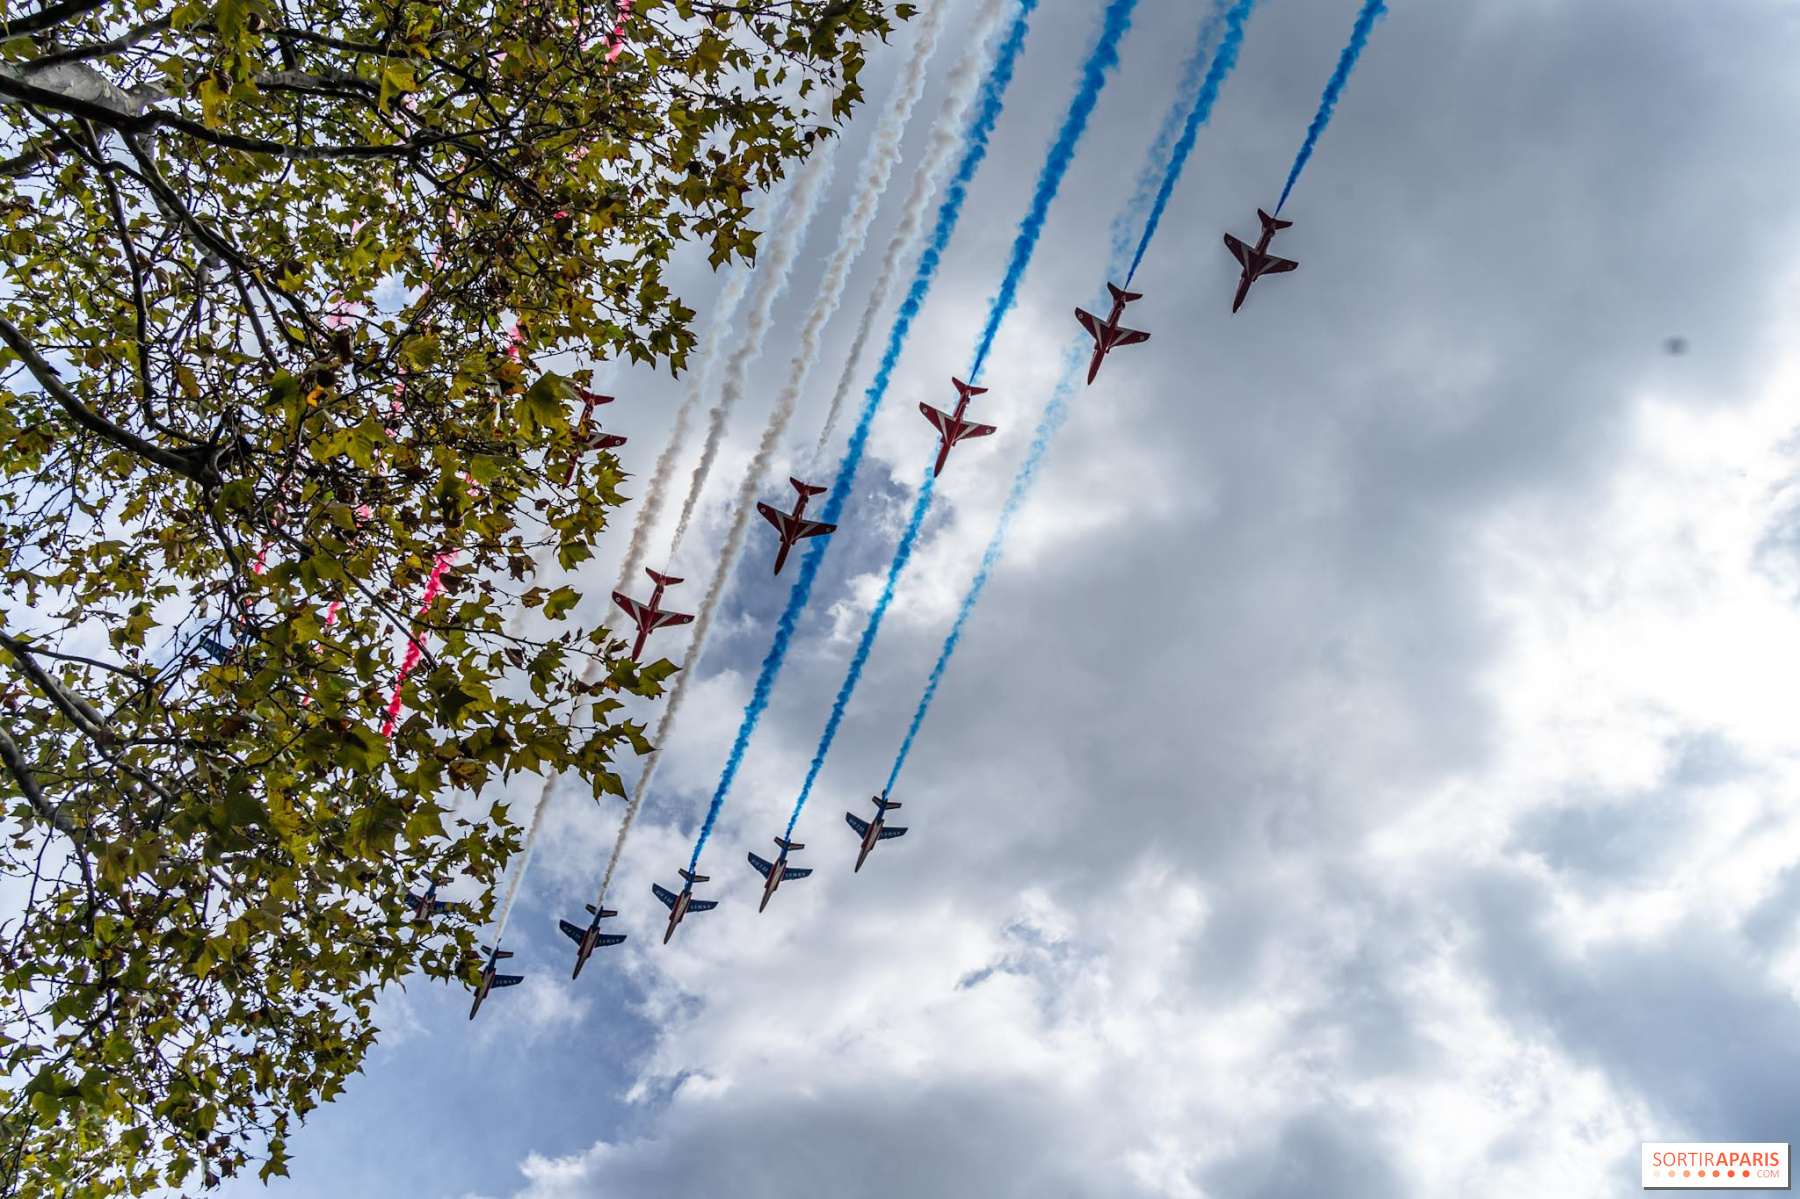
(588, 436)
(427, 905)
(952, 427)
(777, 872)
(680, 905)
(790, 525)
(1106, 333)
(1257, 260)
(877, 830)
(648, 616)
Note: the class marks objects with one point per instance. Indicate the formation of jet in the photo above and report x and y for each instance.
(1256, 260)
(951, 427)
(427, 905)
(791, 525)
(590, 938)
(1107, 334)
(876, 830)
(491, 977)
(680, 905)
(649, 617)
(777, 872)
(587, 431)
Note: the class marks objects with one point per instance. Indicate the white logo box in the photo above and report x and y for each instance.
(1715, 1166)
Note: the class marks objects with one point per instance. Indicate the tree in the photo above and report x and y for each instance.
(281, 284)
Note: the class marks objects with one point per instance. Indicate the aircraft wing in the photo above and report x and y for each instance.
(1130, 337)
(1088, 322)
(891, 832)
(638, 612)
(664, 894)
(775, 517)
(702, 905)
(663, 620)
(797, 872)
(860, 825)
(967, 429)
(414, 899)
(1274, 266)
(442, 905)
(1239, 250)
(762, 867)
(572, 931)
(609, 939)
(938, 419)
(507, 980)
(814, 528)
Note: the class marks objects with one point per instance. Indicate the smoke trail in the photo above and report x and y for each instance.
(1372, 11)
(1095, 72)
(1053, 418)
(946, 135)
(993, 98)
(771, 284)
(730, 296)
(901, 556)
(1150, 175)
(1104, 56)
(877, 169)
(1222, 63)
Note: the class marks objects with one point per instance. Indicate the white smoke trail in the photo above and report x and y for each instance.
(877, 169)
(775, 270)
(946, 138)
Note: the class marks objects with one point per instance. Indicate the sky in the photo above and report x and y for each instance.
(1369, 771)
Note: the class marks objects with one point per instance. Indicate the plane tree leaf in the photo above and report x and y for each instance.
(282, 291)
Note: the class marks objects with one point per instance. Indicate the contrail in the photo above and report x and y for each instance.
(987, 113)
(777, 269)
(731, 294)
(1372, 11)
(1102, 59)
(1115, 21)
(946, 135)
(877, 168)
(1174, 160)
(1058, 409)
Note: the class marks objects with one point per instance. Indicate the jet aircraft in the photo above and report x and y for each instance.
(491, 977)
(428, 905)
(590, 938)
(1106, 333)
(587, 431)
(951, 427)
(876, 831)
(648, 616)
(1256, 260)
(680, 905)
(791, 525)
(777, 872)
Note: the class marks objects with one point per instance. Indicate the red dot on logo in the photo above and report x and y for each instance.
(1731, 1173)
(1715, 1173)
(1684, 1173)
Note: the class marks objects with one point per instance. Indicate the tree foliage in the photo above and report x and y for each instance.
(281, 288)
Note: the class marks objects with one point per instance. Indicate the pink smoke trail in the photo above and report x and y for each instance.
(415, 651)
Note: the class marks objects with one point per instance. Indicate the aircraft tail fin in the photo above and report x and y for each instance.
(665, 580)
(1270, 222)
(790, 846)
(966, 391)
(498, 953)
(603, 913)
(805, 489)
(1121, 296)
(694, 878)
(886, 804)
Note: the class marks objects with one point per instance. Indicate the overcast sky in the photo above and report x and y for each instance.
(1371, 770)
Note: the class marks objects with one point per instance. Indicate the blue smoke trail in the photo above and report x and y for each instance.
(987, 115)
(1197, 116)
(1053, 419)
(1372, 10)
(1058, 410)
(861, 657)
(1103, 58)
(1150, 175)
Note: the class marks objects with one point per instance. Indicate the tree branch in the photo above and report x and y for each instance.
(47, 18)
